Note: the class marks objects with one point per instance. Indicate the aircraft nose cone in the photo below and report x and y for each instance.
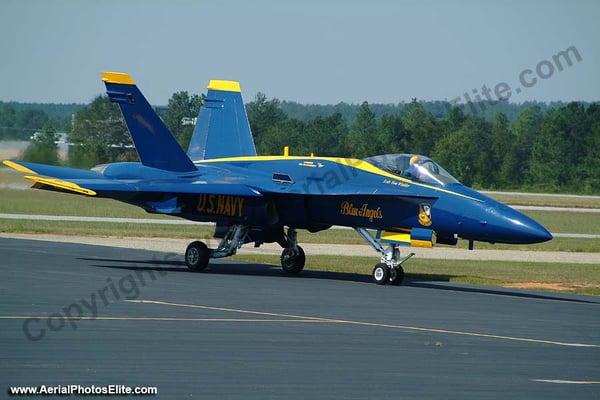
(515, 227)
(530, 231)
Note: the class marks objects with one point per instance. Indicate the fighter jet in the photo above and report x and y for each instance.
(391, 200)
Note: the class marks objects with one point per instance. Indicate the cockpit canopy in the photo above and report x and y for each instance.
(414, 167)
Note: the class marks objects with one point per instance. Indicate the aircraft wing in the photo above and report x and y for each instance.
(92, 187)
(92, 183)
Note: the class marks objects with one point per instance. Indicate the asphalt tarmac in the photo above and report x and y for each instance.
(91, 315)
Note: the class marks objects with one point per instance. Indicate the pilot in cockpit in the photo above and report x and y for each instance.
(413, 171)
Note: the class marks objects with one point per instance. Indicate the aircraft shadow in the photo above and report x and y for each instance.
(420, 280)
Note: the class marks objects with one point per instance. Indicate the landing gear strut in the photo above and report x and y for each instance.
(198, 254)
(389, 270)
(292, 256)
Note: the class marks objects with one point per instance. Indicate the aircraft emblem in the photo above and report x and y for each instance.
(425, 214)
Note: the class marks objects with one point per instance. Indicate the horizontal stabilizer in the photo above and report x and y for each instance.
(41, 181)
(153, 141)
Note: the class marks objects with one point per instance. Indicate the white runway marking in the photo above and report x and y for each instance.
(373, 324)
(108, 318)
(567, 382)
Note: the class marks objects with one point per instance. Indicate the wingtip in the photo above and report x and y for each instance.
(18, 167)
(227, 86)
(117, 77)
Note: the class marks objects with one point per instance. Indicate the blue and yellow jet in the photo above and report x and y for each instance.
(390, 200)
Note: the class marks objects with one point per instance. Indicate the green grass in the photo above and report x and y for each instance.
(106, 229)
(574, 278)
(54, 203)
(572, 222)
(558, 201)
(8, 175)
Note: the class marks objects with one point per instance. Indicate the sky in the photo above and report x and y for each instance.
(307, 51)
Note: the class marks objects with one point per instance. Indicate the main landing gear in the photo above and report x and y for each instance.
(389, 270)
(292, 256)
(197, 254)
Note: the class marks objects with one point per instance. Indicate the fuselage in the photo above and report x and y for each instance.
(316, 193)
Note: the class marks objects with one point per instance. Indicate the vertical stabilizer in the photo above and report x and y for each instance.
(222, 128)
(153, 141)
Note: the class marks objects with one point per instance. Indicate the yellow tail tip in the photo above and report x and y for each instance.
(117, 77)
(228, 86)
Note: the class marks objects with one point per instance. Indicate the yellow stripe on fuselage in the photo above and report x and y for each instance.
(349, 162)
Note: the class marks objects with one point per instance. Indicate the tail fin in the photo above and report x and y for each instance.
(154, 143)
(222, 128)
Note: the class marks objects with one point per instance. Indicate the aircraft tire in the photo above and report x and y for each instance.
(396, 276)
(197, 255)
(292, 264)
(381, 274)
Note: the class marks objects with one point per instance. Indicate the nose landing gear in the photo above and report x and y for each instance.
(389, 270)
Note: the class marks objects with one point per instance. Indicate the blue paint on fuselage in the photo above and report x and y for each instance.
(464, 211)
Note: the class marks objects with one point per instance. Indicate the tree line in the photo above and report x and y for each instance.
(19, 121)
(543, 147)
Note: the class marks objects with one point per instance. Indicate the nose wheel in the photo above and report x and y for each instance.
(384, 275)
(389, 270)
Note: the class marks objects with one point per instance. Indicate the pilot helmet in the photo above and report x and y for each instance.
(414, 160)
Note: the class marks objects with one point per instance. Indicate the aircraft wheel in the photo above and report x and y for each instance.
(381, 274)
(197, 255)
(292, 263)
(396, 276)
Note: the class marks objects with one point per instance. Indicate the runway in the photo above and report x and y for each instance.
(174, 245)
(82, 314)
